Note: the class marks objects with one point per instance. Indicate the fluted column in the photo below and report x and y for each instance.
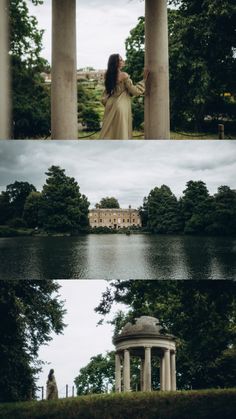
(4, 72)
(162, 373)
(126, 370)
(141, 374)
(117, 373)
(64, 70)
(157, 114)
(173, 370)
(147, 370)
(167, 370)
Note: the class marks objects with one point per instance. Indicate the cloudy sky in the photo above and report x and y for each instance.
(82, 338)
(102, 28)
(127, 170)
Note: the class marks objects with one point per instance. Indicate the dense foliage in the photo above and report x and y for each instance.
(201, 314)
(60, 207)
(108, 202)
(97, 376)
(30, 97)
(30, 311)
(202, 42)
(63, 208)
(90, 109)
(196, 212)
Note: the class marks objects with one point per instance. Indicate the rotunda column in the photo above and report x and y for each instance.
(167, 370)
(126, 370)
(147, 370)
(117, 373)
(4, 71)
(162, 373)
(141, 374)
(173, 370)
(157, 118)
(64, 70)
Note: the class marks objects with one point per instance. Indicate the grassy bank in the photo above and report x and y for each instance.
(6, 231)
(205, 404)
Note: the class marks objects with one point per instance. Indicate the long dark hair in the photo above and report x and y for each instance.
(111, 75)
(50, 375)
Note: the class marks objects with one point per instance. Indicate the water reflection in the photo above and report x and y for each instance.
(118, 256)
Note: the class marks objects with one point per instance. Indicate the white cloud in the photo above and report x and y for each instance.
(125, 169)
(102, 28)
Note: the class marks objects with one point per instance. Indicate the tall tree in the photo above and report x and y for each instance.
(97, 376)
(201, 314)
(18, 193)
(31, 209)
(224, 220)
(196, 207)
(162, 211)
(108, 202)
(5, 208)
(63, 208)
(31, 99)
(202, 60)
(30, 311)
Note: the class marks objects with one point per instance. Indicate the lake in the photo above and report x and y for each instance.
(117, 256)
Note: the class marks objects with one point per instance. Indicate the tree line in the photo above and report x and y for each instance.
(195, 212)
(61, 208)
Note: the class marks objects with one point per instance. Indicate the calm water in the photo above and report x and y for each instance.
(118, 257)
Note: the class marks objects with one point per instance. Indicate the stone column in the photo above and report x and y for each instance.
(64, 70)
(4, 72)
(167, 370)
(147, 370)
(126, 370)
(173, 370)
(162, 373)
(141, 374)
(118, 374)
(157, 114)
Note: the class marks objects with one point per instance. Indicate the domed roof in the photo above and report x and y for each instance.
(143, 326)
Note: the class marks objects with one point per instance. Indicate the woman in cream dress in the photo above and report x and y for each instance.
(119, 88)
(52, 391)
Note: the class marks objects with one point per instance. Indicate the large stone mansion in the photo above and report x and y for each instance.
(114, 218)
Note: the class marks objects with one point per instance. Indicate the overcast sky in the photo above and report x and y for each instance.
(82, 338)
(127, 170)
(102, 28)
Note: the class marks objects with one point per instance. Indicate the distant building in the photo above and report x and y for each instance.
(114, 218)
(90, 75)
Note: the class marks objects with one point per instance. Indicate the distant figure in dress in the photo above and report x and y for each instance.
(52, 391)
(119, 88)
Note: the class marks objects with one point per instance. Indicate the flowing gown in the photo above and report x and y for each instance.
(117, 121)
(52, 391)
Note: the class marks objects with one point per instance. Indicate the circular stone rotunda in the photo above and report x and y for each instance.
(144, 339)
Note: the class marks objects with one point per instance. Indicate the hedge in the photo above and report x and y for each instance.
(204, 404)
